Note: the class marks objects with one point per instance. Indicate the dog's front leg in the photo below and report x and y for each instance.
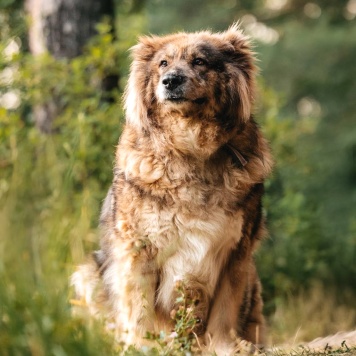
(131, 279)
(222, 324)
(237, 310)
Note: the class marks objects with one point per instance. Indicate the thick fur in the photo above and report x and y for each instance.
(185, 202)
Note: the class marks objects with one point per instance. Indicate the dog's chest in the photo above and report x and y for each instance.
(194, 216)
(193, 237)
(188, 214)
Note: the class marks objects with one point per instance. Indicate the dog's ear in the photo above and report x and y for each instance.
(146, 47)
(235, 36)
(243, 70)
(137, 95)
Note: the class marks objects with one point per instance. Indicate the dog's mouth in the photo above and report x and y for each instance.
(200, 101)
(182, 99)
(176, 99)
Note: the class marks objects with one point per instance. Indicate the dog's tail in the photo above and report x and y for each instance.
(89, 292)
(87, 281)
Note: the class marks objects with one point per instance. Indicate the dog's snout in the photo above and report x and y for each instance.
(172, 81)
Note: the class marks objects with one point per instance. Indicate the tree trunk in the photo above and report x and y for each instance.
(63, 27)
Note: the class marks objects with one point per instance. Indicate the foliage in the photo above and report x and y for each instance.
(321, 79)
(286, 258)
(50, 189)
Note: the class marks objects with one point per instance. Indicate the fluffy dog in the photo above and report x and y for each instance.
(185, 202)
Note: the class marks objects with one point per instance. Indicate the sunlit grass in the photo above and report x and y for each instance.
(308, 315)
(43, 225)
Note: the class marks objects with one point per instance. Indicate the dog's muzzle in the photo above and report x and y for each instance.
(173, 88)
(172, 81)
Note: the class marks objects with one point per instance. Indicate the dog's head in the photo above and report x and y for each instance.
(192, 84)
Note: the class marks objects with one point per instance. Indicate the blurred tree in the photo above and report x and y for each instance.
(63, 28)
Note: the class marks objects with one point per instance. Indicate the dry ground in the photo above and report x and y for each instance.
(342, 343)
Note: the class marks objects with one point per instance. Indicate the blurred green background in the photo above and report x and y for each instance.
(52, 184)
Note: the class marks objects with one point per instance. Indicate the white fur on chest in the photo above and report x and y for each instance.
(193, 244)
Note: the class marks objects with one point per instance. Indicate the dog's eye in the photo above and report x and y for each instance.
(199, 62)
(163, 63)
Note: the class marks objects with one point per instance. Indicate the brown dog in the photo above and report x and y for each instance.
(185, 202)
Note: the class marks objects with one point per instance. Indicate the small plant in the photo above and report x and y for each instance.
(183, 340)
(185, 320)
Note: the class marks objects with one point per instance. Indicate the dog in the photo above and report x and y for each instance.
(185, 202)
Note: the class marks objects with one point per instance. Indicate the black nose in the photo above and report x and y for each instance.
(172, 81)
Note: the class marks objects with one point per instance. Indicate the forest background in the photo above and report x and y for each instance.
(60, 119)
